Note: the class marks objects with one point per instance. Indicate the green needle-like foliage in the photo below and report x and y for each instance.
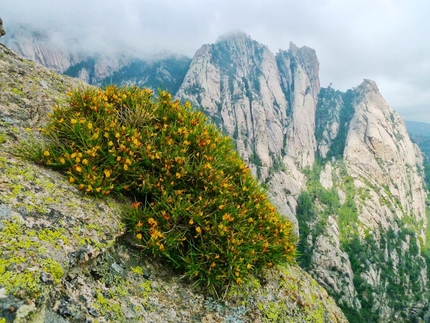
(198, 205)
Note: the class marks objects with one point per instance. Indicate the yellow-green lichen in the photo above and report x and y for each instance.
(109, 307)
(53, 237)
(54, 268)
(145, 289)
(23, 260)
(272, 310)
(137, 270)
(2, 138)
(18, 92)
(19, 195)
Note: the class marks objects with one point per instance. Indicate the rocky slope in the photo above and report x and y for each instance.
(360, 204)
(64, 255)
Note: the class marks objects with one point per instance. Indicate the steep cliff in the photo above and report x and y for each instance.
(363, 236)
(40, 46)
(64, 254)
(99, 68)
(265, 102)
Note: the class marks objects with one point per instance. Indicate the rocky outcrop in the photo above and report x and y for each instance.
(265, 102)
(379, 153)
(64, 254)
(366, 250)
(299, 70)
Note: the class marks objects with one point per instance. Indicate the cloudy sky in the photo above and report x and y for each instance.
(384, 40)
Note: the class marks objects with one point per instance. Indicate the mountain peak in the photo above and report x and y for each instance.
(370, 85)
(232, 36)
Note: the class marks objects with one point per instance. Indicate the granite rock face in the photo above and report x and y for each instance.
(368, 250)
(265, 102)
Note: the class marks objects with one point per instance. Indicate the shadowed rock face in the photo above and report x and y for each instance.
(2, 32)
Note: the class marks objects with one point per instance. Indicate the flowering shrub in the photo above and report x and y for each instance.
(197, 204)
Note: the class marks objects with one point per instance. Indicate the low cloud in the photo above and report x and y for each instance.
(383, 40)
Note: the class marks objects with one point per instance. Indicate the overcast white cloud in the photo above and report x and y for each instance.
(383, 40)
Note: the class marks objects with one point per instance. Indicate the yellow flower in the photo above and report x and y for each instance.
(199, 230)
(110, 143)
(107, 173)
(248, 266)
(239, 281)
(78, 168)
(161, 247)
(139, 236)
(73, 121)
(71, 179)
(46, 153)
(178, 175)
(191, 221)
(152, 222)
(125, 167)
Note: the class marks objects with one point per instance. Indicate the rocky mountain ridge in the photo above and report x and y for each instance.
(98, 68)
(268, 104)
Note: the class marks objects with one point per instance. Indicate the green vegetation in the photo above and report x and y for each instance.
(196, 202)
(366, 251)
(328, 98)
